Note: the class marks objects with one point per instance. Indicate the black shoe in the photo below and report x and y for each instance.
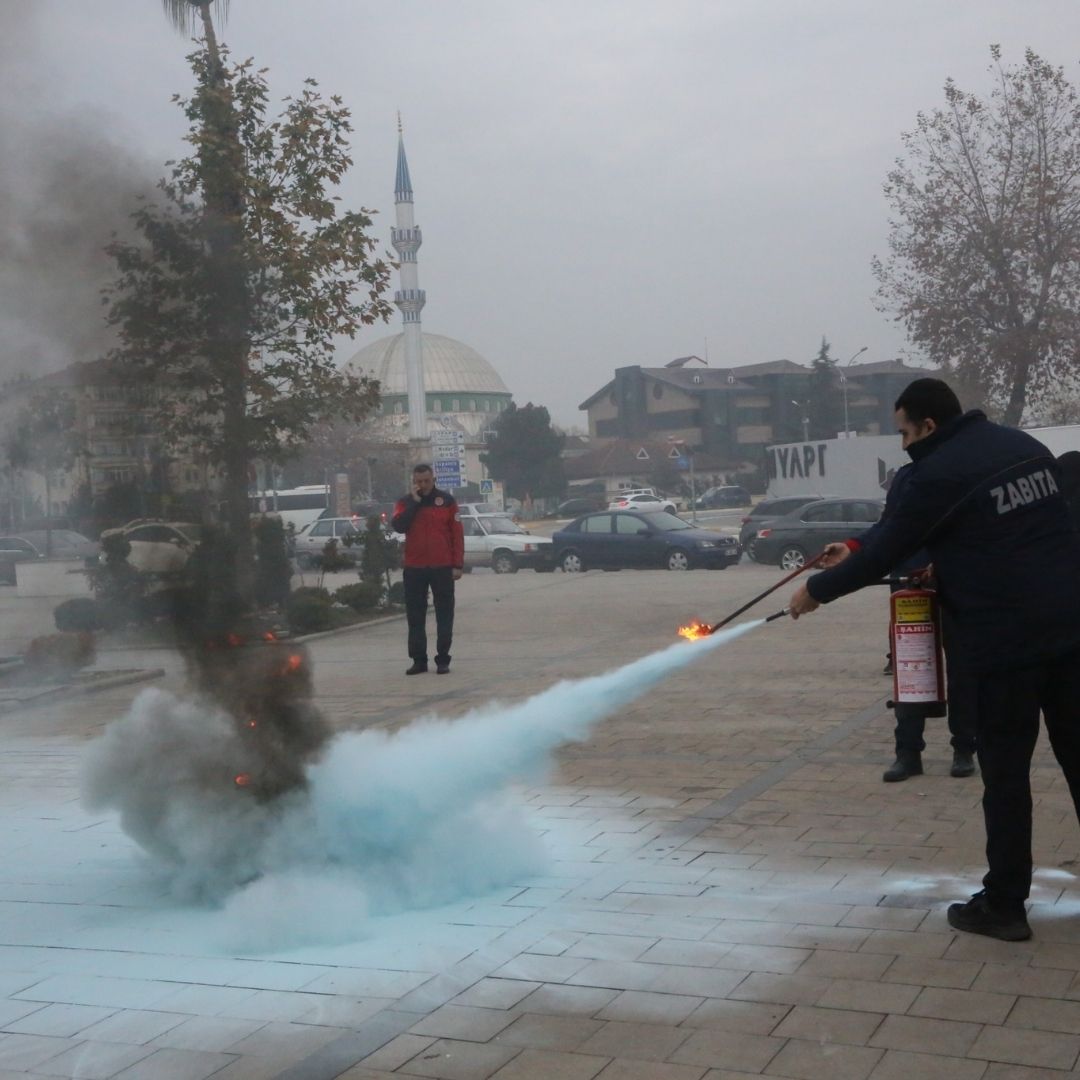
(1006, 922)
(963, 763)
(904, 766)
(418, 668)
(887, 669)
(442, 669)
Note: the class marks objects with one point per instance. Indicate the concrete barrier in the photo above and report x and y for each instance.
(52, 577)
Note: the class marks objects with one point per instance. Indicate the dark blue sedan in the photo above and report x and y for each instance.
(623, 539)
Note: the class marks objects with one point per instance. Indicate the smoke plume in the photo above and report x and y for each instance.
(66, 188)
(386, 822)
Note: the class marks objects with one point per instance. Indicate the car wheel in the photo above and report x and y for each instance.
(571, 562)
(792, 558)
(750, 552)
(678, 560)
(503, 562)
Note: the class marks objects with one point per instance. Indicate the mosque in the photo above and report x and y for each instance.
(459, 389)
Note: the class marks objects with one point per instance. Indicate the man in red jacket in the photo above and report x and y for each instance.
(434, 557)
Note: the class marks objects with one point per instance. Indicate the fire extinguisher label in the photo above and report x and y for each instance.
(913, 609)
(915, 659)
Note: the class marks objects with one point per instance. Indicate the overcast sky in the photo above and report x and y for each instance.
(600, 182)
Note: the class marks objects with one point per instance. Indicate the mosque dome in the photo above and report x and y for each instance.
(449, 366)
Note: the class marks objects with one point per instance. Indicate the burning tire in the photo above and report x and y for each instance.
(503, 562)
(571, 562)
(678, 560)
(792, 558)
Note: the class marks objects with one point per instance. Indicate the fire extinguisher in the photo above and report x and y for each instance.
(918, 660)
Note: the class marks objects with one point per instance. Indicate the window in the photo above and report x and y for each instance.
(487, 405)
(322, 528)
(627, 525)
(397, 408)
(472, 404)
(345, 528)
(599, 524)
(456, 405)
(17, 545)
(471, 527)
(824, 512)
(436, 405)
(657, 391)
(863, 511)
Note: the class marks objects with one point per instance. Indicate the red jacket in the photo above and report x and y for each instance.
(432, 528)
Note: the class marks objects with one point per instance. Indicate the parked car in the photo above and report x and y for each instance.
(719, 498)
(161, 548)
(790, 539)
(309, 542)
(496, 540)
(613, 541)
(580, 504)
(768, 510)
(33, 544)
(641, 501)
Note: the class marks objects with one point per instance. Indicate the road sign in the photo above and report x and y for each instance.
(487, 487)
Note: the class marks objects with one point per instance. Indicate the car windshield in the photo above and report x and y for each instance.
(192, 532)
(665, 522)
(501, 525)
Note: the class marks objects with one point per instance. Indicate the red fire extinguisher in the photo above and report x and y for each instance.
(918, 661)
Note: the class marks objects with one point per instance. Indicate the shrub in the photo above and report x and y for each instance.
(59, 654)
(309, 612)
(80, 614)
(363, 596)
(396, 594)
(272, 570)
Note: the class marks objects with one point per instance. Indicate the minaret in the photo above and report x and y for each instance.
(410, 297)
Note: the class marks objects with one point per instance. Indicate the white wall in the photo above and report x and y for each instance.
(858, 467)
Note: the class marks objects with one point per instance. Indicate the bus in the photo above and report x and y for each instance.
(296, 507)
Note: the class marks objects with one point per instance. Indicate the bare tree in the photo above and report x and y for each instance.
(984, 270)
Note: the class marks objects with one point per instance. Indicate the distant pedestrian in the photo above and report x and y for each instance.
(434, 557)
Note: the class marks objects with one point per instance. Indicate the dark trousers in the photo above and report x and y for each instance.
(1008, 705)
(440, 580)
(911, 719)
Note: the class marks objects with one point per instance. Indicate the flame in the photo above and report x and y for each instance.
(269, 636)
(234, 639)
(694, 630)
(294, 663)
(243, 780)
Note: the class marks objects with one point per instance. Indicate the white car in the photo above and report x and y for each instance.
(641, 501)
(311, 540)
(159, 547)
(497, 541)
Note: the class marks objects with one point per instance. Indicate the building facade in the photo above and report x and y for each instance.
(732, 414)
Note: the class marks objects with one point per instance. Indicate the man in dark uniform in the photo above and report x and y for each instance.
(434, 558)
(985, 501)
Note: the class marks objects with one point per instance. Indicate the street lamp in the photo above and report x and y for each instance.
(805, 406)
(843, 383)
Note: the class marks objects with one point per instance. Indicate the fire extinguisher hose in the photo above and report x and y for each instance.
(808, 565)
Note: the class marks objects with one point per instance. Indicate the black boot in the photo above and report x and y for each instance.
(980, 915)
(418, 668)
(963, 763)
(907, 764)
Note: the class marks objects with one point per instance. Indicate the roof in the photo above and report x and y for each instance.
(624, 456)
(402, 181)
(449, 366)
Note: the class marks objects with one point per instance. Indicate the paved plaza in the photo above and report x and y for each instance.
(730, 889)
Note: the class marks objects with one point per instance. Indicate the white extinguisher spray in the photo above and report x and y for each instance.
(918, 662)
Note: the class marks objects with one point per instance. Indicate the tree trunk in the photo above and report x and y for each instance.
(229, 307)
